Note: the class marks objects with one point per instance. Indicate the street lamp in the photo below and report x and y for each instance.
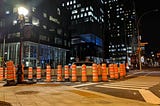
(22, 12)
(139, 37)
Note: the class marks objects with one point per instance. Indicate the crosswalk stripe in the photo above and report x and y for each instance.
(116, 87)
(149, 96)
(80, 85)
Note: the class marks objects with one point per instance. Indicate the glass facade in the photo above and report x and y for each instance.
(34, 54)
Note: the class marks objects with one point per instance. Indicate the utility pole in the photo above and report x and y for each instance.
(139, 36)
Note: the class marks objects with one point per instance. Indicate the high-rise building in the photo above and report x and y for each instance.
(105, 29)
(120, 25)
(86, 20)
(35, 39)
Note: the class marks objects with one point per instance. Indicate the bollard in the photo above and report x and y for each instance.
(66, 73)
(104, 72)
(84, 73)
(10, 74)
(38, 75)
(122, 70)
(74, 74)
(116, 71)
(30, 73)
(1, 73)
(48, 73)
(59, 73)
(99, 69)
(111, 71)
(94, 73)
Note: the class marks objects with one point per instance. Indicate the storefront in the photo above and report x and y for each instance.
(34, 54)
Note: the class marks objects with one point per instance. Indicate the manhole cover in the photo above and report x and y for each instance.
(2, 103)
(27, 92)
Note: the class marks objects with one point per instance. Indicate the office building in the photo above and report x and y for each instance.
(86, 21)
(40, 32)
(120, 25)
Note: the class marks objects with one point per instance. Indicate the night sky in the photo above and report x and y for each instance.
(150, 23)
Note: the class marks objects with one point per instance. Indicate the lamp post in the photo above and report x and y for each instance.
(22, 12)
(139, 37)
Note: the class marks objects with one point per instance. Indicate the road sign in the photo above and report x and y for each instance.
(143, 43)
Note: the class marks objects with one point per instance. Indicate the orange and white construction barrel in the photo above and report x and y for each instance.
(38, 75)
(66, 73)
(104, 72)
(48, 73)
(30, 73)
(84, 73)
(94, 73)
(59, 73)
(74, 73)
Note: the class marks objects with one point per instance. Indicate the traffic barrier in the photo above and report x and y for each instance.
(1, 73)
(66, 73)
(84, 73)
(10, 71)
(59, 73)
(48, 73)
(38, 75)
(74, 74)
(122, 70)
(111, 71)
(116, 74)
(94, 73)
(99, 69)
(104, 72)
(30, 73)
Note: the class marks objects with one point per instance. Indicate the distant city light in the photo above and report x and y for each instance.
(22, 11)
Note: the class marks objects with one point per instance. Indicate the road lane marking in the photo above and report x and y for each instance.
(86, 84)
(149, 97)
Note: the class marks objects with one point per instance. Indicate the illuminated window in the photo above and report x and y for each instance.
(90, 13)
(70, 2)
(67, 3)
(63, 4)
(7, 12)
(44, 15)
(58, 11)
(78, 16)
(14, 22)
(81, 15)
(122, 18)
(85, 14)
(91, 8)
(87, 8)
(78, 5)
(74, 11)
(44, 26)
(35, 21)
(82, 9)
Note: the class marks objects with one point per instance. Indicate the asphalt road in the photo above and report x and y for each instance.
(141, 86)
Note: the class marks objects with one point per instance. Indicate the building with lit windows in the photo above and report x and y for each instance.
(43, 39)
(102, 28)
(86, 20)
(120, 24)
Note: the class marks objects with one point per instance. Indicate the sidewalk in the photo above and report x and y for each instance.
(59, 95)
